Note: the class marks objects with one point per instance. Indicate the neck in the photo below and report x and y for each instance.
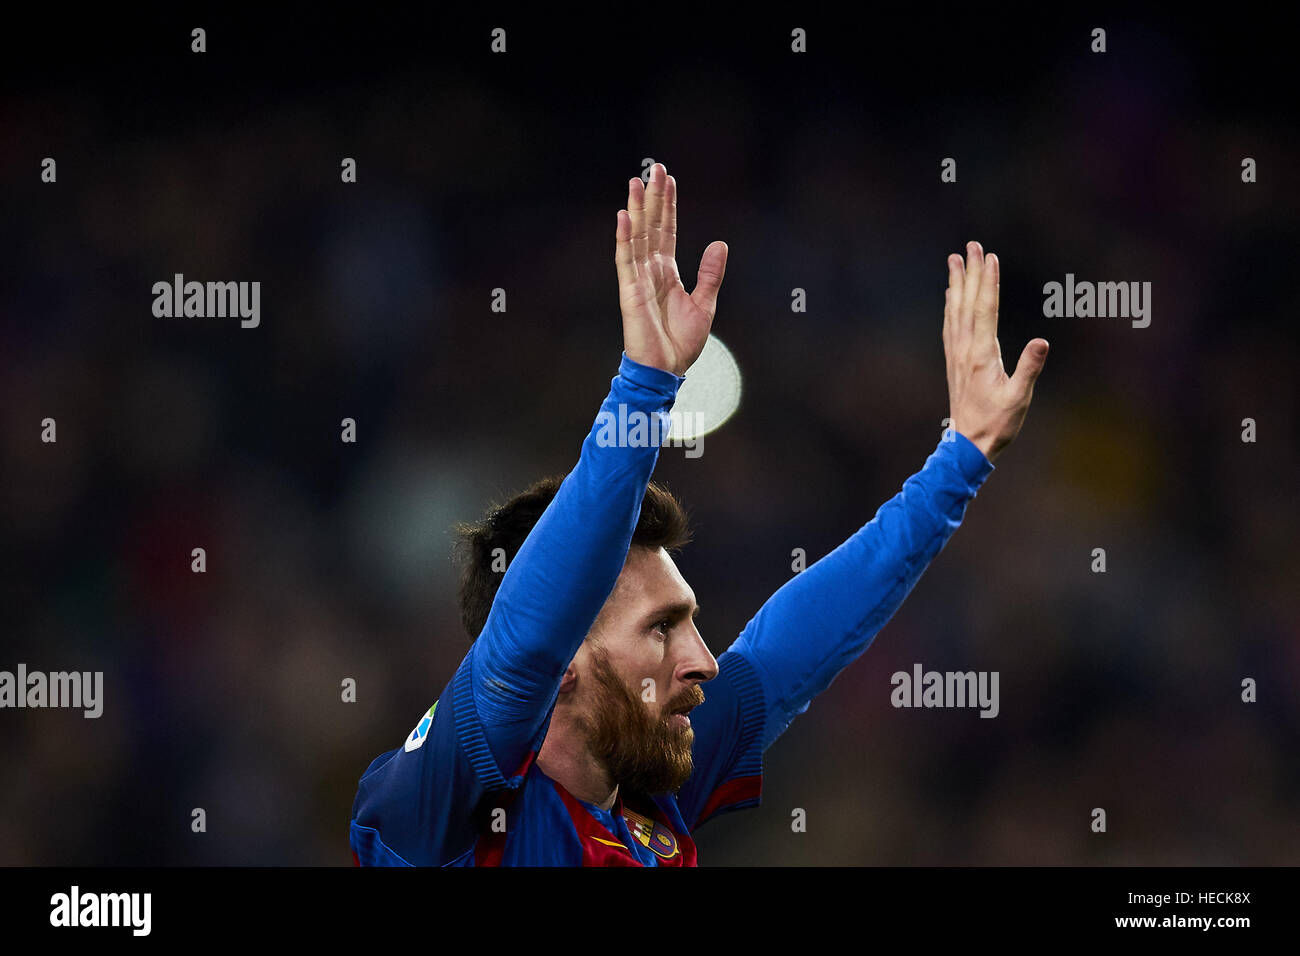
(565, 759)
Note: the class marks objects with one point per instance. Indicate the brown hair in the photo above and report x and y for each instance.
(663, 523)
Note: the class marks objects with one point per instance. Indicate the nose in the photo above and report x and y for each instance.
(697, 663)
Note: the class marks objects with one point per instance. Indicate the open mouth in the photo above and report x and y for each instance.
(679, 717)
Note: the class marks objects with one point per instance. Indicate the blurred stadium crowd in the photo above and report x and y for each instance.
(328, 560)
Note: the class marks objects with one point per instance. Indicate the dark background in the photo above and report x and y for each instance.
(821, 171)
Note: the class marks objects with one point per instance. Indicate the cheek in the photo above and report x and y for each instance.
(664, 683)
(652, 680)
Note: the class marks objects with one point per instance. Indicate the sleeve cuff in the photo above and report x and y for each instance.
(655, 379)
(968, 459)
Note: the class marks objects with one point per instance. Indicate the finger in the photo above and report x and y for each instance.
(947, 310)
(668, 231)
(986, 316)
(623, 261)
(654, 204)
(713, 266)
(953, 296)
(1031, 363)
(997, 287)
(971, 280)
(636, 210)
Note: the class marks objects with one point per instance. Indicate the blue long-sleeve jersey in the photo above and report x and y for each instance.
(465, 788)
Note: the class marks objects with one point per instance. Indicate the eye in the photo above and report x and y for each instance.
(664, 626)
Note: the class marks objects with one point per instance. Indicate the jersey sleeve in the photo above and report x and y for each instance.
(824, 617)
(417, 804)
(815, 625)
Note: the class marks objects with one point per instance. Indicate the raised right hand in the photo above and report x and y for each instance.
(663, 326)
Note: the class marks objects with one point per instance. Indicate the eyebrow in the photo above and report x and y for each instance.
(675, 610)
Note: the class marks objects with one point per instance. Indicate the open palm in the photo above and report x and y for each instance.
(986, 405)
(663, 326)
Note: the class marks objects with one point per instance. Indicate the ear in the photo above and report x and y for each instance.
(569, 682)
(570, 679)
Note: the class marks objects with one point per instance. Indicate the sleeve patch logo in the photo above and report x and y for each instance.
(416, 740)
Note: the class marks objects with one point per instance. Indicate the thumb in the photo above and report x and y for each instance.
(1031, 363)
(713, 265)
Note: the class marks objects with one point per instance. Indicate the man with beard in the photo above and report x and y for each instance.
(575, 731)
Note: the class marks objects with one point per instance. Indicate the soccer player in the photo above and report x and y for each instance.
(576, 731)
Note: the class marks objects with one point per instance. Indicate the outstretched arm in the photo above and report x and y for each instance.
(567, 567)
(415, 804)
(825, 617)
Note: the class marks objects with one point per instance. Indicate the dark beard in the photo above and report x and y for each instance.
(641, 753)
